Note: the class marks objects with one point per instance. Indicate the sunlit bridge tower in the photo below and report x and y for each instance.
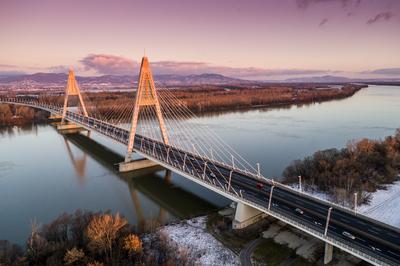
(146, 95)
(72, 89)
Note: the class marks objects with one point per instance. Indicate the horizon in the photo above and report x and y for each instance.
(302, 79)
(264, 40)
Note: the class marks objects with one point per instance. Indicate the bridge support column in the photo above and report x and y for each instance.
(146, 96)
(136, 165)
(246, 215)
(328, 253)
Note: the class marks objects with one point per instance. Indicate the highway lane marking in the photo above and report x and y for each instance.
(361, 222)
(377, 229)
(344, 220)
(372, 231)
(397, 255)
(285, 207)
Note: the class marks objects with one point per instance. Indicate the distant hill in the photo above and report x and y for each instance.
(337, 79)
(61, 79)
(320, 79)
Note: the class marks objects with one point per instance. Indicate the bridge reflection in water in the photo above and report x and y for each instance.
(152, 184)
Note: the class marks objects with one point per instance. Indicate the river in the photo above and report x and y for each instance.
(43, 173)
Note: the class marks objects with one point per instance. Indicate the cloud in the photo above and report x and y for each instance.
(7, 66)
(111, 64)
(58, 69)
(384, 71)
(323, 22)
(304, 4)
(20, 70)
(384, 16)
(10, 70)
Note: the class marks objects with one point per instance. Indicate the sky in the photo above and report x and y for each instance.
(253, 39)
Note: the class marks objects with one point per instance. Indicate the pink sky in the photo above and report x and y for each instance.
(252, 39)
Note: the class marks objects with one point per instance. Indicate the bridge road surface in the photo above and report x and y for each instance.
(371, 237)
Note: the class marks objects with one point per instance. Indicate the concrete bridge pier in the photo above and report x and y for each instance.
(69, 128)
(136, 165)
(328, 253)
(55, 117)
(246, 215)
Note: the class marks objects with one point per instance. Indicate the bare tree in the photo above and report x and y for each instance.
(102, 232)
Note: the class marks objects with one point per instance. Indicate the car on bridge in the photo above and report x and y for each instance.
(299, 211)
(347, 234)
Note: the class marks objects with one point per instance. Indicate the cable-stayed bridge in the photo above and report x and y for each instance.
(157, 126)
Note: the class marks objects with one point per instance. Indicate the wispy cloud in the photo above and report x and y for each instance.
(58, 69)
(111, 64)
(395, 71)
(323, 22)
(10, 70)
(304, 4)
(383, 16)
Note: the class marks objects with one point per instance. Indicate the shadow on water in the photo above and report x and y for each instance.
(154, 183)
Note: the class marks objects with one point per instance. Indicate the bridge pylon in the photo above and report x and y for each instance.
(72, 89)
(146, 95)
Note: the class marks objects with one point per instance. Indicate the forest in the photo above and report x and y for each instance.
(363, 166)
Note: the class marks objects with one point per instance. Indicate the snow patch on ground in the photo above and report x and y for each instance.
(305, 246)
(384, 205)
(201, 245)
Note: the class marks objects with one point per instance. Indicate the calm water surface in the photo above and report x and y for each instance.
(43, 173)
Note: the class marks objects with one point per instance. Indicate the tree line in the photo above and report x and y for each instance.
(363, 166)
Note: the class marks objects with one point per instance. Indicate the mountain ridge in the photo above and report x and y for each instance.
(170, 79)
(175, 79)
